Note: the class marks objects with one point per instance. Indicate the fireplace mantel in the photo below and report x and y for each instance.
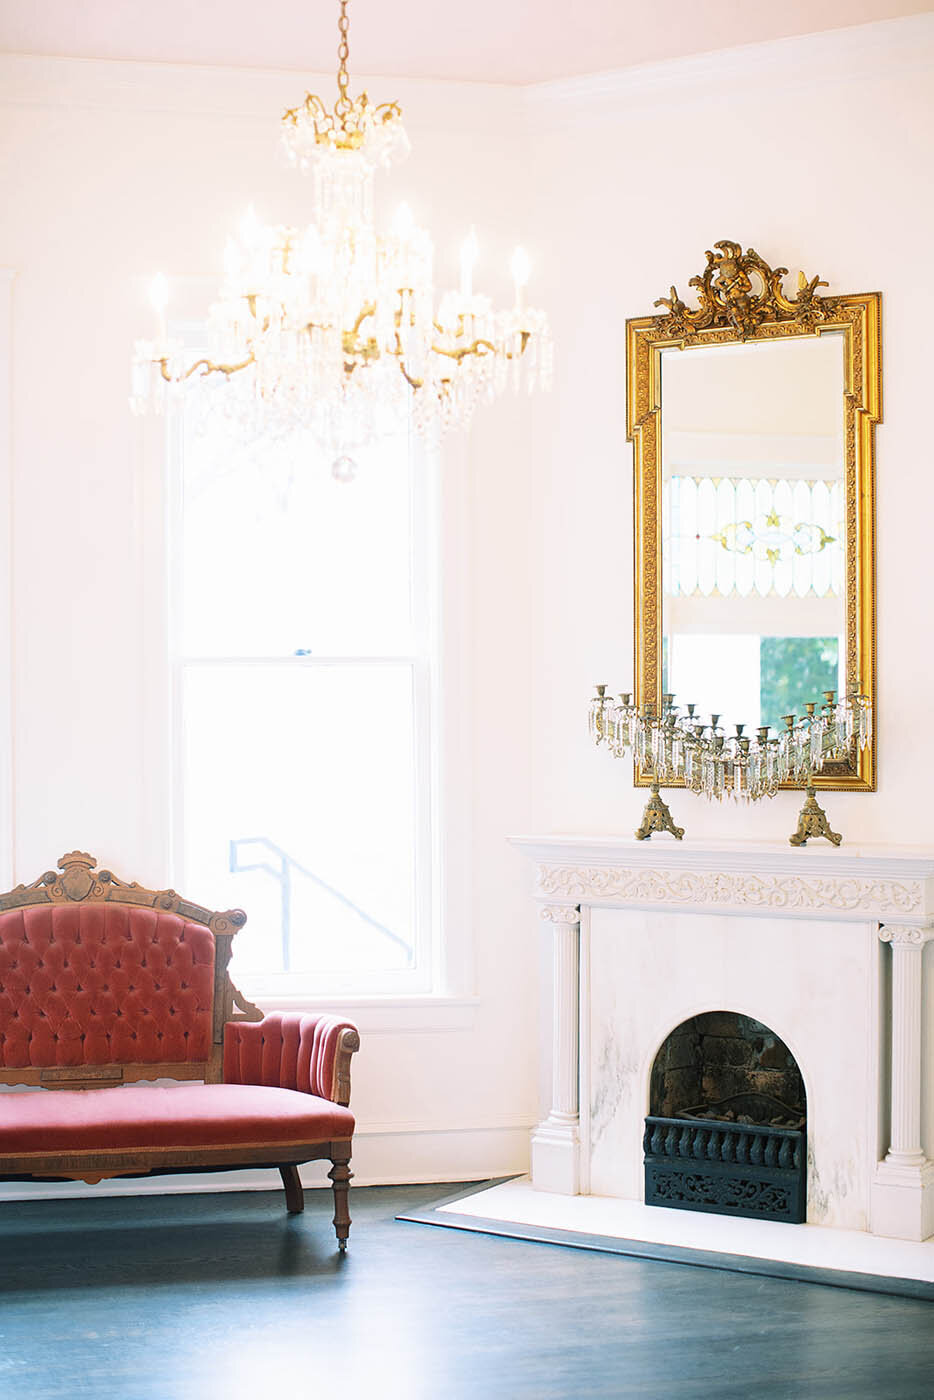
(650, 919)
(891, 882)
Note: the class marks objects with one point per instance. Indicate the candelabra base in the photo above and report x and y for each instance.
(812, 821)
(657, 817)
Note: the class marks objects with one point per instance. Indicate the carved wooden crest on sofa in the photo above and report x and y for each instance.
(78, 882)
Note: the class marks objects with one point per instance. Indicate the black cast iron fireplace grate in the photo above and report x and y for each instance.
(725, 1166)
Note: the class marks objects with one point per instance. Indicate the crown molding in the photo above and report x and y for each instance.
(864, 51)
(887, 47)
(45, 80)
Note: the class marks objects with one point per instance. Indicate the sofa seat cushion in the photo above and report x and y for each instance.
(184, 1115)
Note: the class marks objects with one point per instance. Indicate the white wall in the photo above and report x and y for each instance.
(817, 152)
(110, 172)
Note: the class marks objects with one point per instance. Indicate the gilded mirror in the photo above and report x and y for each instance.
(752, 417)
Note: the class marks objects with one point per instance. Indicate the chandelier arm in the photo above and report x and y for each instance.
(410, 379)
(368, 309)
(478, 348)
(391, 111)
(399, 353)
(252, 301)
(206, 367)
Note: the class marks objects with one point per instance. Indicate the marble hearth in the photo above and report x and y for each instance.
(825, 947)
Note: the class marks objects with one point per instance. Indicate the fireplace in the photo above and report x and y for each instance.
(726, 1128)
(821, 950)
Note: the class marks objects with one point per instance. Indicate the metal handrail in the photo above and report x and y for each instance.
(283, 876)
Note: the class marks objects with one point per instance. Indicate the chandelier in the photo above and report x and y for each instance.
(333, 328)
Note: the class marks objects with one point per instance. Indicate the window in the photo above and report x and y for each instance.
(303, 678)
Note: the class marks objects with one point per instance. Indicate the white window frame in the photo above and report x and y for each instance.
(275, 990)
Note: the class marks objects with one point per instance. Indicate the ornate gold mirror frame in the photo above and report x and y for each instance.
(741, 298)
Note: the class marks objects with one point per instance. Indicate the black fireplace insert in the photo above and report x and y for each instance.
(742, 1150)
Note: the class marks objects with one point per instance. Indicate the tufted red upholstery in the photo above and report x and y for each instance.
(186, 1115)
(103, 984)
(287, 1049)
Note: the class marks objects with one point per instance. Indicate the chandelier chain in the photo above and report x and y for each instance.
(343, 104)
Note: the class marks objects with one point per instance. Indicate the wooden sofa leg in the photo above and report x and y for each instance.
(294, 1195)
(340, 1175)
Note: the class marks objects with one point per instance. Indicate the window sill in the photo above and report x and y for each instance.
(385, 1015)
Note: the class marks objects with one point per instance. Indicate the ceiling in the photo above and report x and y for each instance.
(500, 41)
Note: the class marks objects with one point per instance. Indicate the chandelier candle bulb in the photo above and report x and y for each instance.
(521, 271)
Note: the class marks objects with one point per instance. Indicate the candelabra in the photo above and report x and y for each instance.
(674, 746)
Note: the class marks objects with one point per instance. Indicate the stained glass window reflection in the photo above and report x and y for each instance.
(744, 536)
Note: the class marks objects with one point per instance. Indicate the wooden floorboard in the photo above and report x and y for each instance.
(225, 1297)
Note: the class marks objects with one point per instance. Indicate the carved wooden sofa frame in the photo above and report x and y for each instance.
(104, 984)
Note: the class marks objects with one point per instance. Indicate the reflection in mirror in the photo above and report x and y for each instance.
(753, 532)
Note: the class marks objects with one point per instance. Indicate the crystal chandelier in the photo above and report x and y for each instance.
(672, 747)
(334, 327)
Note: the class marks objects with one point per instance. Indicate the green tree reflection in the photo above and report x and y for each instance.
(793, 670)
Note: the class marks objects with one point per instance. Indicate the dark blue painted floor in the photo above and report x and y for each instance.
(227, 1298)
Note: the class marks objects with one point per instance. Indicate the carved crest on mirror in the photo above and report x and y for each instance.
(739, 291)
(752, 416)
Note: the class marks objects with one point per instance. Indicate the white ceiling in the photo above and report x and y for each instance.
(501, 41)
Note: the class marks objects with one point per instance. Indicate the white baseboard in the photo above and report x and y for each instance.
(393, 1155)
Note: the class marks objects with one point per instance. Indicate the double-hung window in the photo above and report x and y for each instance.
(302, 694)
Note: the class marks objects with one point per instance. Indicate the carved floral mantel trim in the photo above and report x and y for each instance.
(847, 894)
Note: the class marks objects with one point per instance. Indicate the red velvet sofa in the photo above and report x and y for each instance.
(104, 984)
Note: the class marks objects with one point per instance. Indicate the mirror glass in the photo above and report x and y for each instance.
(753, 527)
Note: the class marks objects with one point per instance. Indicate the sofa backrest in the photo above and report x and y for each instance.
(105, 982)
(100, 984)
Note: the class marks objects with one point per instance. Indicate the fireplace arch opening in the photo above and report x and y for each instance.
(726, 1129)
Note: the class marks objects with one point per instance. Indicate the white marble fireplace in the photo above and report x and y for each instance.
(824, 946)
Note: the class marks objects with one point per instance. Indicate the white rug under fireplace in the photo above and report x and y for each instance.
(807, 1246)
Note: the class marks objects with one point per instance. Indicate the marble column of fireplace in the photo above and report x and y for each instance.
(825, 946)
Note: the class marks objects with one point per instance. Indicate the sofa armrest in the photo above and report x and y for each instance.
(292, 1050)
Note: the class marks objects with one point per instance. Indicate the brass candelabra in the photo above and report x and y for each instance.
(671, 745)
